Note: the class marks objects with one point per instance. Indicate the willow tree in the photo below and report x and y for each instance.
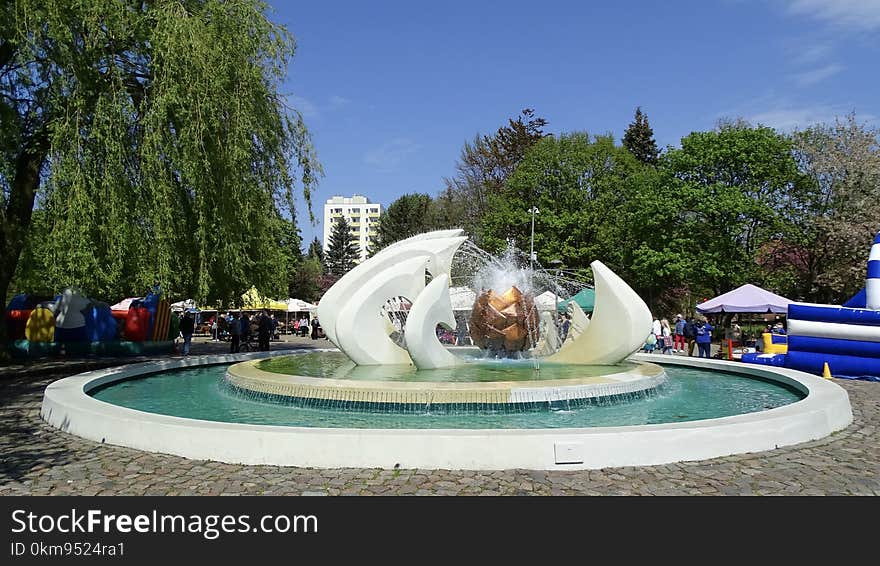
(151, 141)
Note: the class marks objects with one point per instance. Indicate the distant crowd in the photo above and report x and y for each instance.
(684, 335)
(242, 328)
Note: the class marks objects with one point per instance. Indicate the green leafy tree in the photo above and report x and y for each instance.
(305, 282)
(839, 213)
(639, 139)
(732, 191)
(342, 253)
(151, 141)
(407, 216)
(575, 181)
(483, 167)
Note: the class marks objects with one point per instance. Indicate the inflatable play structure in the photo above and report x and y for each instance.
(774, 343)
(837, 340)
(73, 324)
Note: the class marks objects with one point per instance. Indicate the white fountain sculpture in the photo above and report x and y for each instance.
(620, 323)
(347, 312)
(350, 311)
(432, 307)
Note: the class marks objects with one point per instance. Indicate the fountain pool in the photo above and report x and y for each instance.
(704, 409)
(549, 398)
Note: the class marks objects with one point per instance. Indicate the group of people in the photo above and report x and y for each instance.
(683, 335)
(300, 327)
(241, 328)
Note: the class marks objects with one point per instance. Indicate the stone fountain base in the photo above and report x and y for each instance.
(413, 396)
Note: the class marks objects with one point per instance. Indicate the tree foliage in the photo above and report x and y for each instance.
(342, 252)
(575, 181)
(639, 139)
(841, 209)
(699, 222)
(316, 250)
(151, 141)
(407, 216)
(305, 281)
(483, 167)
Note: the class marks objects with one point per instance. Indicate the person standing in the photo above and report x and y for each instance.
(565, 327)
(304, 327)
(245, 330)
(315, 328)
(690, 334)
(666, 333)
(264, 330)
(187, 326)
(703, 330)
(274, 322)
(679, 341)
(234, 334)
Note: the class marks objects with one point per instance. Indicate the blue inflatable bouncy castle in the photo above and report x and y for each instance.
(846, 337)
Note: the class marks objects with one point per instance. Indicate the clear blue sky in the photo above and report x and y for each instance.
(392, 90)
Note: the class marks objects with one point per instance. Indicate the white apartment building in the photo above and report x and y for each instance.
(360, 213)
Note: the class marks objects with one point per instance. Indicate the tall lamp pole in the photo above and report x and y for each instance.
(534, 210)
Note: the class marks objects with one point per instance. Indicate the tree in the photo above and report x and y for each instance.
(840, 214)
(342, 252)
(576, 181)
(483, 167)
(639, 139)
(305, 281)
(316, 250)
(732, 191)
(407, 216)
(151, 141)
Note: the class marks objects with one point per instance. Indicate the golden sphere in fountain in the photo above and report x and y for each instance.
(504, 322)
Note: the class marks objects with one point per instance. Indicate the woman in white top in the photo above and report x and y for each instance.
(666, 333)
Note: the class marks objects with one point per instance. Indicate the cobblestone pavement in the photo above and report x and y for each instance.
(37, 459)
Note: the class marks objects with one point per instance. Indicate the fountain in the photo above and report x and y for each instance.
(521, 397)
(502, 325)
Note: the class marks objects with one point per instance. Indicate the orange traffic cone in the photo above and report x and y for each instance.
(826, 372)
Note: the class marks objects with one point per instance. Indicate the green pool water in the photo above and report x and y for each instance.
(689, 394)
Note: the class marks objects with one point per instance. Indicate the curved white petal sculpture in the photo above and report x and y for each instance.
(618, 327)
(579, 322)
(360, 330)
(432, 307)
(436, 247)
(435, 235)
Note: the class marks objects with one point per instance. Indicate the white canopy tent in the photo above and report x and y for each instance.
(188, 304)
(547, 301)
(298, 305)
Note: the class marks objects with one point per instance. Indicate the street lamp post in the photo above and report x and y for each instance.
(534, 210)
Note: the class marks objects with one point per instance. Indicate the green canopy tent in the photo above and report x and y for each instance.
(585, 298)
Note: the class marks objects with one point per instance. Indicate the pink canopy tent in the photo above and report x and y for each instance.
(748, 298)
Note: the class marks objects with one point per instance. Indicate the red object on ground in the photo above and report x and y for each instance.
(137, 323)
(729, 349)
